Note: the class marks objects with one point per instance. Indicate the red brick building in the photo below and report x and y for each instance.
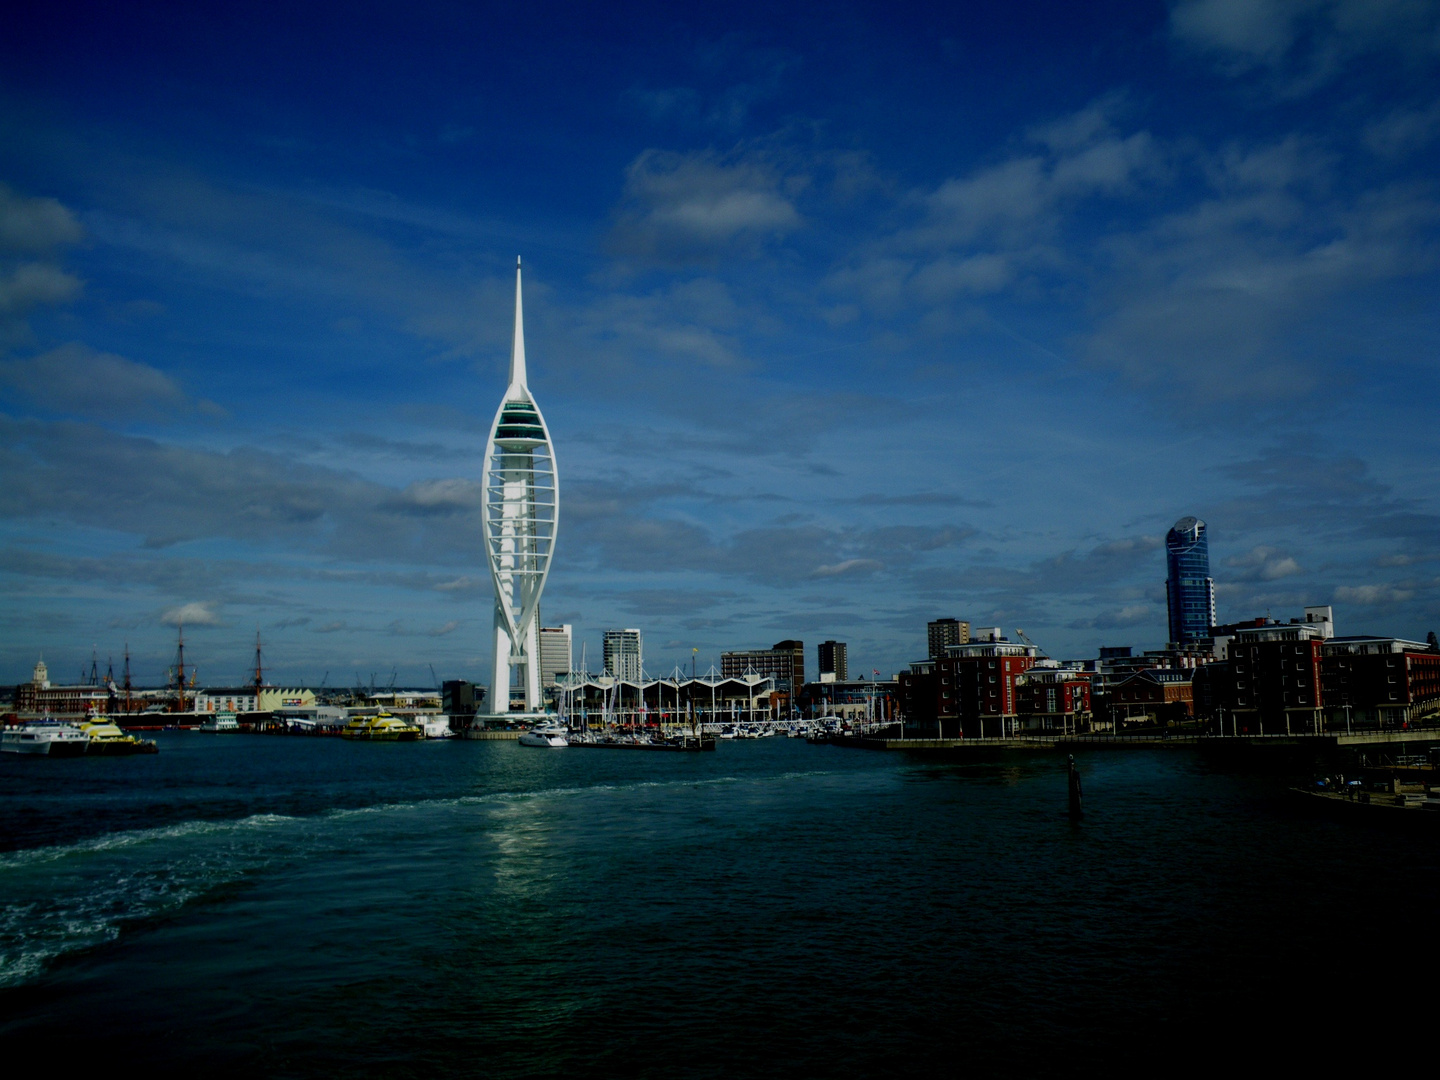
(1153, 695)
(971, 691)
(1053, 699)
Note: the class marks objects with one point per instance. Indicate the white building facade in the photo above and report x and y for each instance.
(624, 655)
(520, 515)
(556, 654)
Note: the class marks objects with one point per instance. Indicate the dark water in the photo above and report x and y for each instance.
(306, 907)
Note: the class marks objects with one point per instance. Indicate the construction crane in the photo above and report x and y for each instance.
(435, 677)
(1021, 635)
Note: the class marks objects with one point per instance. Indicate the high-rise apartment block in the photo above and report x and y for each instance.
(1189, 588)
(624, 654)
(556, 654)
(945, 632)
(785, 663)
(833, 660)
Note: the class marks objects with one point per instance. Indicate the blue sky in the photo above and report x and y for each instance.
(844, 317)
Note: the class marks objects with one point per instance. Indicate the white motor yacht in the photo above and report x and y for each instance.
(434, 725)
(220, 723)
(550, 735)
(48, 737)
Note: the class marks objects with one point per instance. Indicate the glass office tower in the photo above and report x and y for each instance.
(1189, 588)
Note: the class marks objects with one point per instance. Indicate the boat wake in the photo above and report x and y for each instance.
(71, 897)
(68, 898)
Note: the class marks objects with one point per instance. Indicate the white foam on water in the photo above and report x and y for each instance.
(69, 897)
(65, 898)
(26, 857)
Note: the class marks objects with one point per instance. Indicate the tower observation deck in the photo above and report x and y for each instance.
(520, 515)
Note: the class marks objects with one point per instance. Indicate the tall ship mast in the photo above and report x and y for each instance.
(520, 514)
(180, 671)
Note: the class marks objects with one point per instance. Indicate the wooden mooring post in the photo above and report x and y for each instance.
(1076, 796)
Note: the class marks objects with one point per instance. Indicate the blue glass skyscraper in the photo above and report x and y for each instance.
(1189, 588)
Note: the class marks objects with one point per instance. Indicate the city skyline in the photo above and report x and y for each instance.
(1080, 273)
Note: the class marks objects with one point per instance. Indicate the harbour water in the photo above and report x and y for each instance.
(314, 907)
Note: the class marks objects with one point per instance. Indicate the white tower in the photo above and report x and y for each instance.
(520, 514)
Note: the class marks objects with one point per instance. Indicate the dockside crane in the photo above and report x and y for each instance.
(1023, 637)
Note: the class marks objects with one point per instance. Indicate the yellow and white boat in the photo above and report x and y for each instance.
(382, 728)
(106, 738)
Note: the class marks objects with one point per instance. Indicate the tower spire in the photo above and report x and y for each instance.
(517, 348)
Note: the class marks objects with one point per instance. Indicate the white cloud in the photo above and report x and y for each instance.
(35, 224)
(1403, 131)
(847, 567)
(30, 285)
(983, 231)
(679, 207)
(193, 614)
(1308, 42)
(1371, 595)
(77, 380)
(1264, 564)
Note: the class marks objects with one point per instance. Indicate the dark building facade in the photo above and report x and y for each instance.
(1271, 683)
(943, 633)
(460, 698)
(1189, 588)
(833, 660)
(1382, 681)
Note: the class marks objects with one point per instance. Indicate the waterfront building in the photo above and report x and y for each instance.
(1189, 588)
(41, 697)
(1053, 697)
(1152, 695)
(1322, 618)
(943, 633)
(624, 655)
(1383, 681)
(833, 661)
(236, 699)
(705, 699)
(856, 700)
(243, 699)
(556, 654)
(459, 697)
(970, 691)
(1271, 682)
(784, 661)
(520, 515)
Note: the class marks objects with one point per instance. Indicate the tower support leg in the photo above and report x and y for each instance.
(500, 683)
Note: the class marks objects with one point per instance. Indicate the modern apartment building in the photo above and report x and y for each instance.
(1189, 588)
(943, 633)
(833, 660)
(624, 654)
(785, 662)
(557, 654)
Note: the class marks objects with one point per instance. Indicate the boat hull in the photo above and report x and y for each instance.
(126, 748)
(550, 742)
(58, 748)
